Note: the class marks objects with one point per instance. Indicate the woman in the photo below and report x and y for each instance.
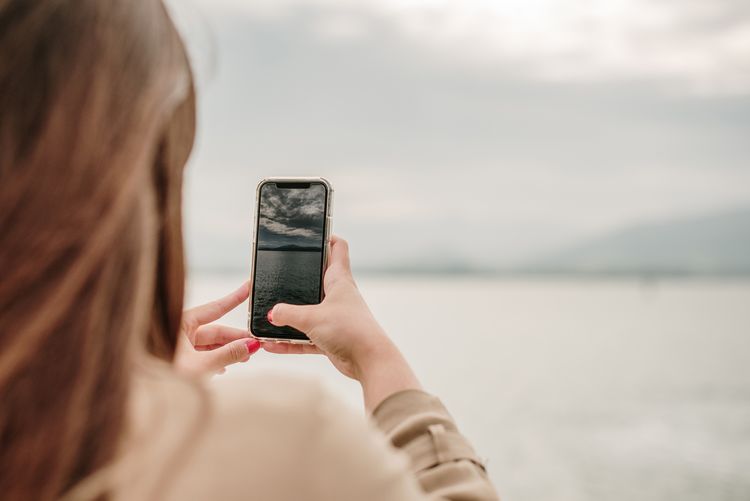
(98, 109)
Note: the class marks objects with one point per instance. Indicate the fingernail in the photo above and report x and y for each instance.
(252, 345)
(270, 316)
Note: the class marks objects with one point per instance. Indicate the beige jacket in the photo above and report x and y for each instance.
(274, 438)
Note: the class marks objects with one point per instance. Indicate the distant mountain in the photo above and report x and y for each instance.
(292, 247)
(717, 243)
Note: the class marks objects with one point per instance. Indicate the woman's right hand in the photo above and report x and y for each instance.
(343, 328)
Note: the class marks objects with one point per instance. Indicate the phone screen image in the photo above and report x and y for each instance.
(290, 239)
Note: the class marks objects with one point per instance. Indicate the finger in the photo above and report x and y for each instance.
(339, 253)
(207, 347)
(214, 310)
(231, 353)
(291, 349)
(301, 317)
(213, 334)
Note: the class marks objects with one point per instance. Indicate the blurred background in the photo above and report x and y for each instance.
(548, 206)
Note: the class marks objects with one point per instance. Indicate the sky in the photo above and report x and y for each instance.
(291, 216)
(471, 133)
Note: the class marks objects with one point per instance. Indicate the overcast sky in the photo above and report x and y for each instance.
(468, 131)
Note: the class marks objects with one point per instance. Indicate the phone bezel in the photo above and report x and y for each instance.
(326, 245)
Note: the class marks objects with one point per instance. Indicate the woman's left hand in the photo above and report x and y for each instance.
(205, 348)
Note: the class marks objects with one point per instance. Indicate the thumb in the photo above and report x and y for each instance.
(231, 353)
(340, 254)
(301, 317)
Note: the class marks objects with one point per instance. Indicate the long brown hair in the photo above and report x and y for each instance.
(97, 119)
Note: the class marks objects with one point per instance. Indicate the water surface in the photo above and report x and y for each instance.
(284, 277)
(572, 390)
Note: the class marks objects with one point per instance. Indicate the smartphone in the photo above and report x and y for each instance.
(292, 228)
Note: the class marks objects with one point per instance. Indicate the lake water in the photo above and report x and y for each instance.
(284, 277)
(572, 390)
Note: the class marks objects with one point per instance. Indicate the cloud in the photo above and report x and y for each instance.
(291, 215)
(432, 155)
(692, 46)
(282, 229)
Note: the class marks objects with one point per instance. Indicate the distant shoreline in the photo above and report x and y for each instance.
(290, 248)
(494, 274)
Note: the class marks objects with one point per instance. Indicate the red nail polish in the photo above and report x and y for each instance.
(252, 345)
(270, 316)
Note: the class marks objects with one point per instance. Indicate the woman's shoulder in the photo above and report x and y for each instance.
(264, 397)
(267, 397)
(267, 436)
(252, 434)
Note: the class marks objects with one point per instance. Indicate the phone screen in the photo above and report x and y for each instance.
(290, 236)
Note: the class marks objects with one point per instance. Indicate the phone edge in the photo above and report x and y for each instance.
(253, 245)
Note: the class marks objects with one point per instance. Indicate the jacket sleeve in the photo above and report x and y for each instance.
(443, 461)
(351, 459)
